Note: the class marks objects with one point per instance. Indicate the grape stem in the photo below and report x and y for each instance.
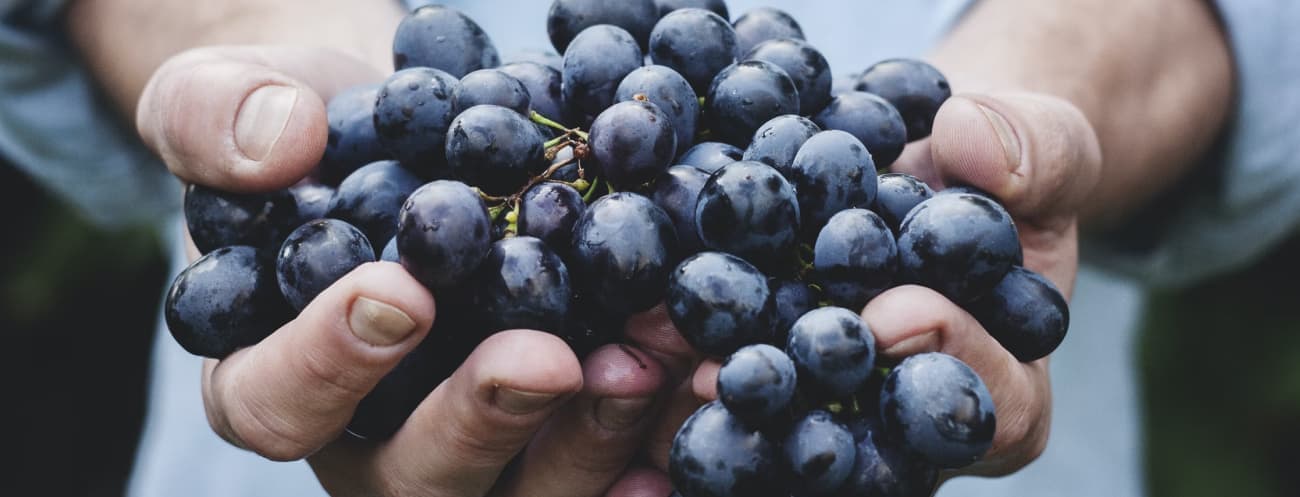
(551, 123)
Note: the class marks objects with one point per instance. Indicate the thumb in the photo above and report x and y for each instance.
(244, 118)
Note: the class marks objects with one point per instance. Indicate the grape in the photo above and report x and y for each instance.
(352, 141)
(543, 84)
(443, 234)
(316, 255)
(806, 66)
(675, 192)
(224, 301)
(371, 198)
(915, 88)
(597, 61)
(523, 285)
(833, 351)
(1025, 313)
(668, 91)
(870, 119)
(832, 172)
(719, 303)
(757, 383)
(390, 252)
(855, 258)
(495, 149)
(715, 455)
(569, 18)
(750, 210)
(544, 58)
(843, 83)
(313, 200)
(624, 248)
(590, 328)
(882, 468)
(491, 87)
(718, 7)
(632, 143)
(219, 219)
(548, 211)
(778, 140)
(897, 195)
(442, 38)
(763, 24)
(791, 300)
(960, 245)
(711, 156)
(744, 96)
(938, 408)
(412, 113)
(820, 454)
(696, 43)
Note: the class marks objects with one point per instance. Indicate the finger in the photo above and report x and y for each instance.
(653, 332)
(244, 118)
(910, 320)
(588, 443)
(681, 404)
(460, 438)
(642, 482)
(705, 380)
(289, 395)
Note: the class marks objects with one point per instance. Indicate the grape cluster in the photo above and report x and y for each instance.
(668, 155)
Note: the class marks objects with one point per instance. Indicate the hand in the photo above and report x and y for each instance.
(253, 119)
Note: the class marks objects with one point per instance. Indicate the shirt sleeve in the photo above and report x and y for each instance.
(56, 127)
(1246, 199)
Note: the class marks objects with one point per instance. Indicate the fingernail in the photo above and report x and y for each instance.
(925, 342)
(620, 414)
(1006, 134)
(262, 119)
(379, 324)
(520, 402)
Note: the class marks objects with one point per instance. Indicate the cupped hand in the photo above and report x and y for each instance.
(521, 416)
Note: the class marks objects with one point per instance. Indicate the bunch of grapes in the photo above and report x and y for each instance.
(669, 155)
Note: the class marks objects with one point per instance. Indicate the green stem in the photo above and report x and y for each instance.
(554, 142)
(546, 121)
(591, 192)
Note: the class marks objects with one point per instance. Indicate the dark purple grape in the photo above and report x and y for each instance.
(897, 195)
(870, 119)
(715, 455)
(224, 301)
(718, 7)
(671, 93)
(597, 61)
(937, 407)
(543, 84)
(805, 65)
(883, 469)
(757, 383)
(744, 96)
(960, 245)
(495, 149)
(390, 252)
(778, 140)
(676, 192)
(820, 454)
(843, 83)
(719, 303)
(412, 114)
(1025, 313)
(590, 327)
(791, 300)
(632, 143)
(316, 255)
(832, 172)
(491, 87)
(696, 43)
(523, 285)
(220, 219)
(545, 58)
(313, 201)
(762, 24)
(710, 156)
(443, 234)
(352, 141)
(855, 258)
(443, 38)
(371, 198)
(834, 352)
(915, 88)
(548, 211)
(569, 18)
(750, 210)
(624, 249)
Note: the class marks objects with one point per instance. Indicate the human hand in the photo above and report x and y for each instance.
(253, 119)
